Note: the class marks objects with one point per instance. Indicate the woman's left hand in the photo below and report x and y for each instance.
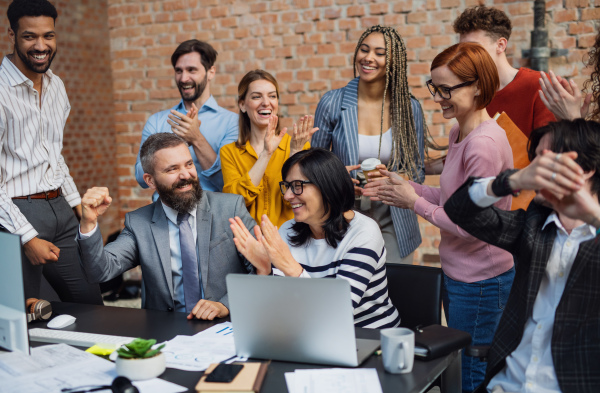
(393, 191)
(302, 133)
(278, 250)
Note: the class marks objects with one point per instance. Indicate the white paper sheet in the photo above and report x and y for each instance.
(53, 367)
(197, 352)
(333, 380)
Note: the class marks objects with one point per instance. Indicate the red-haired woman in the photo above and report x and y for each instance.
(477, 276)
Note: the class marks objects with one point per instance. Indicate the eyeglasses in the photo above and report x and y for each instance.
(297, 186)
(443, 91)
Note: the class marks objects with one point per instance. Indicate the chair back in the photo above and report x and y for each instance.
(416, 291)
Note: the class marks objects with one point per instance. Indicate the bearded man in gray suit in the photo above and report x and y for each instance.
(182, 241)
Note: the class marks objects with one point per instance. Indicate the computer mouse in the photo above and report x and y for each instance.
(61, 321)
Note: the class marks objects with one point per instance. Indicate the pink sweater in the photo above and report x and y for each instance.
(484, 152)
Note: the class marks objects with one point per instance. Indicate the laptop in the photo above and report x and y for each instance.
(295, 319)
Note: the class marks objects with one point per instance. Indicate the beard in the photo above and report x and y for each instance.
(183, 202)
(198, 90)
(38, 68)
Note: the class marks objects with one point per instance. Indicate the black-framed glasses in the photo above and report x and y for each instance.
(297, 186)
(445, 92)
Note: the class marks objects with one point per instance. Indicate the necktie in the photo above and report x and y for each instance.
(189, 262)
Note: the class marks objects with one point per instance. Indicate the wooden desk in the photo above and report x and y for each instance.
(165, 325)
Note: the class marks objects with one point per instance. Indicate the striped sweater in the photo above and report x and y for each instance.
(360, 259)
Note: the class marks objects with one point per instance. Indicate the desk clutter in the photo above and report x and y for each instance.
(51, 368)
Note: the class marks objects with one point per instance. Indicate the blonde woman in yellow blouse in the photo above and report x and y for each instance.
(251, 166)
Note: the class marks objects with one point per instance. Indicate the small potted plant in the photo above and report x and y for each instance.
(138, 360)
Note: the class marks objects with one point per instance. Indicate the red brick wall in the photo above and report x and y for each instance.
(307, 45)
(83, 63)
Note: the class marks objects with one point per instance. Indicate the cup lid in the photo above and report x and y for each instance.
(369, 164)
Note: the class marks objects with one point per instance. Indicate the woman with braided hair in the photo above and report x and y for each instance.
(375, 116)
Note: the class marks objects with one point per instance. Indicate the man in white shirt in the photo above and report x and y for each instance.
(183, 241)
(548, 339)
(38, 198)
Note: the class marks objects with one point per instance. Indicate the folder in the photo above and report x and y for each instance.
(518, 144)
(249, 380)
(435, 341)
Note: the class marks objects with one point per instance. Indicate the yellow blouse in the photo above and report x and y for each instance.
(265, 198)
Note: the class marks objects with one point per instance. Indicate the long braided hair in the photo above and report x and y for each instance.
(405, 148)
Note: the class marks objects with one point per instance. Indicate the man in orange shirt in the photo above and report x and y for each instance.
(518, 93)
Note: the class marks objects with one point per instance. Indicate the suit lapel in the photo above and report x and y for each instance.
(160, 233)
(582, 258)
(350, 122)
(203, 227)
(542, 248)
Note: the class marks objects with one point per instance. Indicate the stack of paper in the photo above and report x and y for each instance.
(333, 380)
(196, 353)
(53, 367)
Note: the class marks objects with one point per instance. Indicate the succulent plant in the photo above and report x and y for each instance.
(139, 349)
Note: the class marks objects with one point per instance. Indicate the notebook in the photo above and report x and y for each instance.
(249, 379)
(295, 319)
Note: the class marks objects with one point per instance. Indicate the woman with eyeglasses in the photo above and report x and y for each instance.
(326, 238)
(251, 166)
(477, 276)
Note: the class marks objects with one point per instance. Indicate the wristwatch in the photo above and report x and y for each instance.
(501, 186)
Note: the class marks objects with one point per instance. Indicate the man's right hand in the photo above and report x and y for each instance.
(94, 203)
(41, 252)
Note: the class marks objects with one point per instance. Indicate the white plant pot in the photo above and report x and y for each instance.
(140, 369)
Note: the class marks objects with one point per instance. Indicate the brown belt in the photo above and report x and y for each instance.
(42, 195)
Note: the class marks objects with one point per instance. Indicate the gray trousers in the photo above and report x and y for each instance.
(55, 222)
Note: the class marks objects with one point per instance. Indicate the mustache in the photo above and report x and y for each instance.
(180, 84)
(182, 183)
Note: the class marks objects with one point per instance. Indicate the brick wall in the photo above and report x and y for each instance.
(83, 63)
(308, 46)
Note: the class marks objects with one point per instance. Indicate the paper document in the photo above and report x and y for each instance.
(51, 368)
(333, 380)
(197, 352)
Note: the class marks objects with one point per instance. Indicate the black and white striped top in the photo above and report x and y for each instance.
(360, 259)
(31, 140)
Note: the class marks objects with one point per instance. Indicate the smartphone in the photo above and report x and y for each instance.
(224, 373)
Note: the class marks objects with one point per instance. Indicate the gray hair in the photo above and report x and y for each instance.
(154, 143)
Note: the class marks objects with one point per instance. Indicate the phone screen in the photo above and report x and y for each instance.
(224, 373)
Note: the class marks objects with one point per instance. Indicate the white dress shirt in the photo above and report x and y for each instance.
(31, 141)
(175, 247)
(530, 368)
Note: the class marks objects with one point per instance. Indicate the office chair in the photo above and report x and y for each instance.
(416, 292)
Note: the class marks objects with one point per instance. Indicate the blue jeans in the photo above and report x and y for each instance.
(476, 308)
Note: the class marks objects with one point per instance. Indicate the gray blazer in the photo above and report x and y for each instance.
(337, 119)
(145, 241)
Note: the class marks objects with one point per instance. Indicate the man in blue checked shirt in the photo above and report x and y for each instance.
(198, 119)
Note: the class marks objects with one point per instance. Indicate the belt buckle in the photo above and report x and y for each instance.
(47, 195)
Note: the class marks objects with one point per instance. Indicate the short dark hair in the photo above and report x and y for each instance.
(154, 143)
(20, 8)
(491, 20)
(324, 170)
(208, 54)
(579, 135)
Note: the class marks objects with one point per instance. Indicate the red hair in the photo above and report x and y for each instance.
(470, 61)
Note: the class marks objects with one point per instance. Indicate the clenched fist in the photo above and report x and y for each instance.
(94, 203)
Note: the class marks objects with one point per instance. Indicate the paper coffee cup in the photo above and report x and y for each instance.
(369, 165)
